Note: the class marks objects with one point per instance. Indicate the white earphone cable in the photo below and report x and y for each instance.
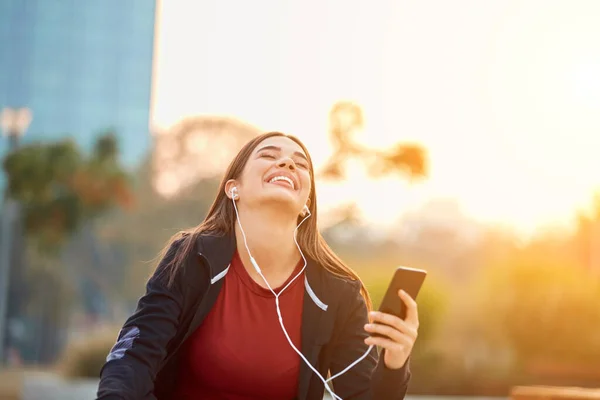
(280, 317)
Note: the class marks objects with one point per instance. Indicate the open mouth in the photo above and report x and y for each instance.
(282, 181)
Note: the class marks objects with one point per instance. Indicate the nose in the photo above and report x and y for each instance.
(287, 162)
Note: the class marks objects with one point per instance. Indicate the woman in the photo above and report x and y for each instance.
(238, 307)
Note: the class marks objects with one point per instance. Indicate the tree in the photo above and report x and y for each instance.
(407, 160)
(196, 148)
(59, 189)
(345, 119)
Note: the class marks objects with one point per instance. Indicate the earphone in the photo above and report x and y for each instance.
(307, 213)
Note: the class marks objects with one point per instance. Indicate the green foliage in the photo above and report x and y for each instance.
(83, 358)
(545, 308)
(59, 188)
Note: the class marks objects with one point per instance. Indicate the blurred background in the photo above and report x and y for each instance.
(460, 137)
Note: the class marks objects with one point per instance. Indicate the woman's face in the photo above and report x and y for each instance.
(276, 174)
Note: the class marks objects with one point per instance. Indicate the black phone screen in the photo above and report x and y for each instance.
(408, 279)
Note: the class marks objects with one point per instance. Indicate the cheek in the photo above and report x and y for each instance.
(306, 184)
(252, 175)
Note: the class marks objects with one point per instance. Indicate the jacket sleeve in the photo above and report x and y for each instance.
(141, 346)
(370, 379)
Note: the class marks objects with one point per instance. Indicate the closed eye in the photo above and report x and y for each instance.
(267, 155)
(302, 164)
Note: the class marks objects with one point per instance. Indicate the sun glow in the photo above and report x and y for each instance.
(505, 97)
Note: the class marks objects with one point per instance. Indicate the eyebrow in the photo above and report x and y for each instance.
(276, 148)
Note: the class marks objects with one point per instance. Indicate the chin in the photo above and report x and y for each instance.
(284, 201)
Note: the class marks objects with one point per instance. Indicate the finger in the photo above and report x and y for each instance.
(390, 333)
(385, 330)
(387, 319)
(412, 315)
(382, 342)
(394, 322)
(401, 326)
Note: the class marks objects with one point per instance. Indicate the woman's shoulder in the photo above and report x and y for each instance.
(340, 280)
(174, 264)
(343, 281)
(345, 289)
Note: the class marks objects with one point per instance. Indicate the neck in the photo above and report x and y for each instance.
(270, 237)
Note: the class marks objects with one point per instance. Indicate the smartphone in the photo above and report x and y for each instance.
(408, 279)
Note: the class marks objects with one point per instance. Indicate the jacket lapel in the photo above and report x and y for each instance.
(218, 251)
(312, 316)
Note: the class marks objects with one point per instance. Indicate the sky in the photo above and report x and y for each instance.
(505, 95)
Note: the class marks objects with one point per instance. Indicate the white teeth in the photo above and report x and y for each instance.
(283, 178)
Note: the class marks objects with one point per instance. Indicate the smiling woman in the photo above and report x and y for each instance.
(253, 304)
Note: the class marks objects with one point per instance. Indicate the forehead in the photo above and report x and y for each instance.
(282, 143)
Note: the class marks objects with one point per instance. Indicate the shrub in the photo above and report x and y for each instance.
(544, 309)
(83, 358)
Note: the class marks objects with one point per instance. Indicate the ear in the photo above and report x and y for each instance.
(304, 211)
(230, 184)
(308, 202)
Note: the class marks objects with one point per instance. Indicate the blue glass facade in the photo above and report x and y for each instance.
(81, 66)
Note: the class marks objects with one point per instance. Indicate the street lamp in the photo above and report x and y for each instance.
(14, 123)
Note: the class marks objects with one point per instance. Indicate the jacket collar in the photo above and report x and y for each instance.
(219, 250)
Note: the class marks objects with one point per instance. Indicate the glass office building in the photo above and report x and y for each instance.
(81, 66)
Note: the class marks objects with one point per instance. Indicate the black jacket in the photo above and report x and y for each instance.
(143, 363)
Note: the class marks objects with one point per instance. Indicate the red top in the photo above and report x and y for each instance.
(240, 351)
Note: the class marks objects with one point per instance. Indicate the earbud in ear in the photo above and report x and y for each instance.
(305, 210)
(234, 193)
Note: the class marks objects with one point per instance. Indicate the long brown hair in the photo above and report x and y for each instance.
(220, 220)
